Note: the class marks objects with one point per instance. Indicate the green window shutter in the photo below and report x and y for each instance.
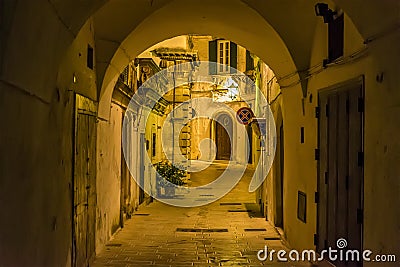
(212, 56)
(249, 61)
(233, 50)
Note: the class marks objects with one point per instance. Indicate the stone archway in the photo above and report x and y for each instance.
(243, 26)
(35, 38)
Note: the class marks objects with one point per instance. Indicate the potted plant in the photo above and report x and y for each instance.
(169, 175)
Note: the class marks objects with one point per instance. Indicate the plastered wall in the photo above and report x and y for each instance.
(381, 184)
(108, 176)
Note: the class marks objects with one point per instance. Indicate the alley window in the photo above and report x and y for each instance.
(222, 52)
(90, 57)
(223, 56)
(336, 38)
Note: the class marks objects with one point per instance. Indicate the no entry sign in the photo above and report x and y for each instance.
(244, 115)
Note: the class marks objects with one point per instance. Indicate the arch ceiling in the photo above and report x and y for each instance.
(286, 26)
(279, 32)
(370, 17)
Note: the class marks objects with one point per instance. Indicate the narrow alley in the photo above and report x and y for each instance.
(199, 133)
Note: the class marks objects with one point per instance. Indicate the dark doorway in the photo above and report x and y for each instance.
(125, 173)
(279, 181)
(142, 151)
(341, 167)
(84, 196)
(250, 149)
(222, 139)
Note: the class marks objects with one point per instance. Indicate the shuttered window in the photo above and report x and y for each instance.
(223, 56)
(223, 52)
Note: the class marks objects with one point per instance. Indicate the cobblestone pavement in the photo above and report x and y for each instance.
(228, 232)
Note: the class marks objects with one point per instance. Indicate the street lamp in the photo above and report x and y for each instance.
(322, 9)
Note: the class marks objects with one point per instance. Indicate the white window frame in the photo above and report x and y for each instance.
(223, 56)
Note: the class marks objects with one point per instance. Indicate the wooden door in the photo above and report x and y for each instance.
(340, 168)
(222, 138)
(84, 205)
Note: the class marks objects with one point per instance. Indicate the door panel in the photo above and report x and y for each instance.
(80, 196)
(356, 169)
(84, 212)
(223, 143)
(332, 169)
(322, 175)
(340, 168)
(91, 187)
(222, 139)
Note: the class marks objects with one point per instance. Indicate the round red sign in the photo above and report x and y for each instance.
(244, 115)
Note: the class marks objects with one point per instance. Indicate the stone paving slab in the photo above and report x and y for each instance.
(154, 240)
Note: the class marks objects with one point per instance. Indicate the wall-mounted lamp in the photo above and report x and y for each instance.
(322, 9)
